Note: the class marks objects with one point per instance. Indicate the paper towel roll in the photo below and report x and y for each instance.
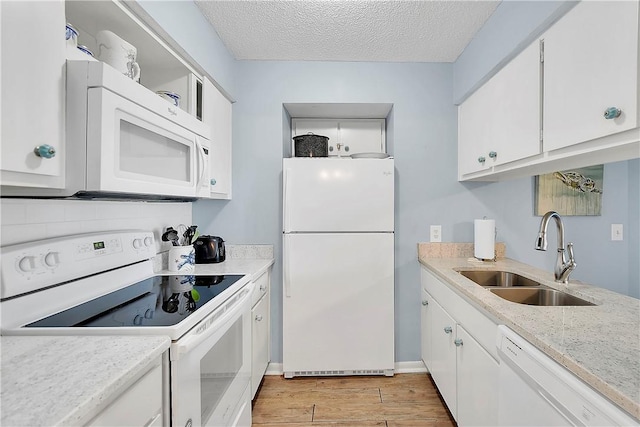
(484, 238)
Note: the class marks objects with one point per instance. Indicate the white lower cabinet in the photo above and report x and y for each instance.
(426, 320)
(260, 330)
(477, 382)
(443, 355)
(139, 405)
(458, 348)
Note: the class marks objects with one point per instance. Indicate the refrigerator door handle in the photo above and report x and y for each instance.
(287, 174)
(285, 267)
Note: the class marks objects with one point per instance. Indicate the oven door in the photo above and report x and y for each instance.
(211, 367)
(131, 149)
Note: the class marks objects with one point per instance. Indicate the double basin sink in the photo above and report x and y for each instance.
(519, 289)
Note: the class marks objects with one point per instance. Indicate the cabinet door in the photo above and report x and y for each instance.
(500, 122)
(33, 85)
(590, 65)
(515, 120)
(477, 383)
(260, 342)
(360, 136)
(473, 131)
(425, 329)
(217, 113)
(443, 353)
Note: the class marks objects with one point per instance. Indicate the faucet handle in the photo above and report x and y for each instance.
(570, 251)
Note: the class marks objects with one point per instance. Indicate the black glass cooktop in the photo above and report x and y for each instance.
(157, 301)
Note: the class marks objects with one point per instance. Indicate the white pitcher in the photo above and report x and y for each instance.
(118, 53)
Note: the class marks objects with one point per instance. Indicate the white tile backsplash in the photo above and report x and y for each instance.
(13, 214)
(25, 220)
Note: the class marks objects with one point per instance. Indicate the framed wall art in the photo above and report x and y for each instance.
(570, 193)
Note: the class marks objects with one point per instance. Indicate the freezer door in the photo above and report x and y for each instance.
(334, 195)
(338, 303)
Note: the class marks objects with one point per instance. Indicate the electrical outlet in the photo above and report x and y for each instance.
(435, 233)
(616, 232)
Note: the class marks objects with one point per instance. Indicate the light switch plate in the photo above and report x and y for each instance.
(617, 232)
(435, 233)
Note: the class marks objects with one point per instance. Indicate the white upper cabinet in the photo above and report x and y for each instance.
(361, 136)
(33, 85)
(346, 136)
(591, 66)
(217, 113)
(500, 122)
(582, 99)
(161, 67)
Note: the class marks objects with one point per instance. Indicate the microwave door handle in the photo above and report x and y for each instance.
(201, 162)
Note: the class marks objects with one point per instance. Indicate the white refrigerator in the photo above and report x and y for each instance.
(338, 267)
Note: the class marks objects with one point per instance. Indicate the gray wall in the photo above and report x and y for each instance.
(424, 137)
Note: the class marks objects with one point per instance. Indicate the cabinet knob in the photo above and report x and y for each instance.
(612, 113)
(425, 302)
(481, 159)
(213, 181)
(448, 329)
(457, 342)
(493, 154)
(45, 151)
(263, 288)
(258, 318)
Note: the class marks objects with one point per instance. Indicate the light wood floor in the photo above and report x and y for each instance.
(405, 400)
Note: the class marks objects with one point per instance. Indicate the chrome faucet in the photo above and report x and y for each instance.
(564, 267)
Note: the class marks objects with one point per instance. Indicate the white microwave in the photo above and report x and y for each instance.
(123, 140)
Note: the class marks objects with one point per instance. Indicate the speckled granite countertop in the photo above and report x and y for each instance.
(63, 380)
(599, 344)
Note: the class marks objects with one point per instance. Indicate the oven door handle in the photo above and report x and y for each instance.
(212, 323)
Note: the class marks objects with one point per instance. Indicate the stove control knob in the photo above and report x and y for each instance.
(27, 264)
(137, 243)
(137, 320)
(148, 314)
(148, 241)
(51, 259)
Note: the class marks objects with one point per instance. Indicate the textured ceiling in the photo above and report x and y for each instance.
(361, 30)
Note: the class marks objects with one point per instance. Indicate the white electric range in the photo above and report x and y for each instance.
(104, 284)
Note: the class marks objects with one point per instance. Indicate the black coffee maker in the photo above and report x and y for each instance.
(209, 249)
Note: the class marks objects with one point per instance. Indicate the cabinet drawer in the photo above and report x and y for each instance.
(261, 287)
(471, 318)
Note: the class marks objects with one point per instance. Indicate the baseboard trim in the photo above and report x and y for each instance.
(410, 367)
(399, 368)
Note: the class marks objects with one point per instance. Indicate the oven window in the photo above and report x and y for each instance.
(218, 368)
(154, 154)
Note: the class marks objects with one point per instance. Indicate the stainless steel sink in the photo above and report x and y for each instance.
(539, 296)
(503, 279)
(522, 290)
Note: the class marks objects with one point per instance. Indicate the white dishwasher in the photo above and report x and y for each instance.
(537, 391)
